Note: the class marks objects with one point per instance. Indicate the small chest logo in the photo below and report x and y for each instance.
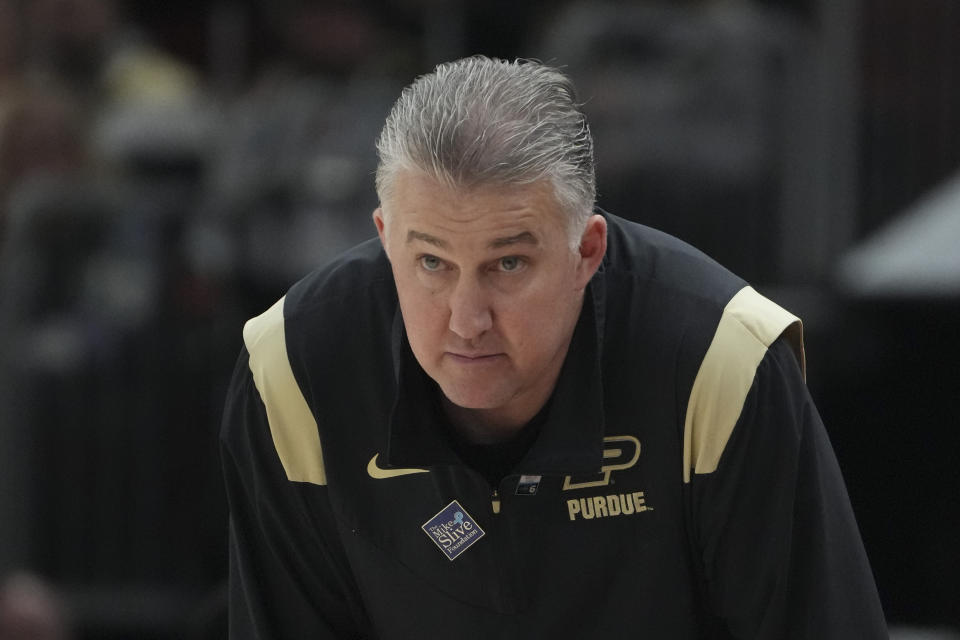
(453, 530)
(619, 454)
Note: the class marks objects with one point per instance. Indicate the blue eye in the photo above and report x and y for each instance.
(431, 263)
(510, 263)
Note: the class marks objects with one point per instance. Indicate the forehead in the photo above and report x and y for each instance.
(420, 203)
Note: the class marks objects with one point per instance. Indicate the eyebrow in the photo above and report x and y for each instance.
(426, 237)
(524, 237)
(521, 238)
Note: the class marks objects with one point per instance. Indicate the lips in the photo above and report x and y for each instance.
(473, 357)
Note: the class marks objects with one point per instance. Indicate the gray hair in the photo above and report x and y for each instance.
(481, 121)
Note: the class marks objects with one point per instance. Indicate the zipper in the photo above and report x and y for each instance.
(495, 501)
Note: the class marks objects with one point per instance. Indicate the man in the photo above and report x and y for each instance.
(513, 417)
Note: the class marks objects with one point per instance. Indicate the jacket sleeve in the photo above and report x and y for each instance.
(780, 552)
(289, 577)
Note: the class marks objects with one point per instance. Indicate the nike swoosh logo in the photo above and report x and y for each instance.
(378, 473)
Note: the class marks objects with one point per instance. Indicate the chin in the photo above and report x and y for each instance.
(475, 398)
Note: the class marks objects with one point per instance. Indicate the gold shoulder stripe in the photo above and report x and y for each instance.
(749, 325)
(292, 425)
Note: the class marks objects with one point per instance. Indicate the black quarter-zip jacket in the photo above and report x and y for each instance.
(681, 486)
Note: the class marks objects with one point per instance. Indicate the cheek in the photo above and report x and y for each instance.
(536, 321)
(423, 314)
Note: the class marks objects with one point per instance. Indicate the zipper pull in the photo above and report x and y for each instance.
(495, 501)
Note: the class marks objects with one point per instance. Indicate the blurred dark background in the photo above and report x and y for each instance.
(167, 170)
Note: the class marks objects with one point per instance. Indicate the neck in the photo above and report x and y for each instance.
(485, 426)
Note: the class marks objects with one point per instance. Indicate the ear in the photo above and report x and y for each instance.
(593, 246)
(380, 224)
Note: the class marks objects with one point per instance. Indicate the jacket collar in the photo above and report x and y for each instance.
(569, 442)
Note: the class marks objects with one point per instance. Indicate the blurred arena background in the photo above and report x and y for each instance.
(168, 169)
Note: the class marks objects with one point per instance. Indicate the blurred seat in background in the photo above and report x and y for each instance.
(88, 47)
(113, 353)
(686, 104)
(111, 405)
(42, 141)
(895, 376)
(292, 179)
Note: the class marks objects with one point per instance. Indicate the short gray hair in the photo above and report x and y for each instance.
(481, 121)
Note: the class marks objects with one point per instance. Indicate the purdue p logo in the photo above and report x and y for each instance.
(619, 453)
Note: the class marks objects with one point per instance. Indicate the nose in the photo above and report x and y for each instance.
(470, 313)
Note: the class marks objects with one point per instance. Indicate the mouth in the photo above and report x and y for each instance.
(472, 358)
